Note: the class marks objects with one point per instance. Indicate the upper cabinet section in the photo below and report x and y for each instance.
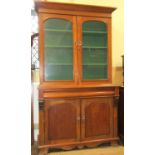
(75, 45)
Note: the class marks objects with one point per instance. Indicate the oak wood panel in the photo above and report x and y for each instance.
(97, 118)
(62, 120)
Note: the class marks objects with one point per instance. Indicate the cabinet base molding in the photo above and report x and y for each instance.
(114, 143)
(80, 145)
(93, 145)
(66, 148)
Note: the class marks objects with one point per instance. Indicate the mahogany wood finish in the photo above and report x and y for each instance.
(97, 118)
(62, 122)
(72, 7)
(80, 143)
(77, 21)
(76, 113)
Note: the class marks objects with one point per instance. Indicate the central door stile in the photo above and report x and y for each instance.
(75, 59)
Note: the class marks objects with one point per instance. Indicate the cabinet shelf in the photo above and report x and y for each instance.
(59, 64)
(95, 47)
(95, 64)
(58, 46)
(94, 32)
(90, 64)
(86, 47)
(57, 30)
(63, 30)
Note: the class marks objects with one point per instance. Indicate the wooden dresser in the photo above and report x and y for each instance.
(77, 100)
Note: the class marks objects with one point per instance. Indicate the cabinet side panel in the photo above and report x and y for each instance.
(41, 128)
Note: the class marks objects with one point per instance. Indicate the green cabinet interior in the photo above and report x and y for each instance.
(94, 58)
(58, 48)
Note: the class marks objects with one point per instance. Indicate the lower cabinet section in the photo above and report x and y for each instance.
(70, 118)
(78, 120)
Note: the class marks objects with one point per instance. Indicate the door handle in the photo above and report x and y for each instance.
(76, 43)
(83, 118)
(78, 118)
(80, 43)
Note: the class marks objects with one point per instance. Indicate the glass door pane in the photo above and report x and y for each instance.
(58, 47)
(94, 51)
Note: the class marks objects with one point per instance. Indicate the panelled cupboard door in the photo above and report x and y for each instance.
(58, 51)
(62, 121)
(94, 37)
(97, 118)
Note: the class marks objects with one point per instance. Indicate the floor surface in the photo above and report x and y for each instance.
(106, 150)
(111, 150)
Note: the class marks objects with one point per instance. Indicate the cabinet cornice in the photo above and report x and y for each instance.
(73, 7)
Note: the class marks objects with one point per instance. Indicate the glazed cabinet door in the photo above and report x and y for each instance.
(62, 121)
(58, 50)
(97, 118)
(94, 37)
